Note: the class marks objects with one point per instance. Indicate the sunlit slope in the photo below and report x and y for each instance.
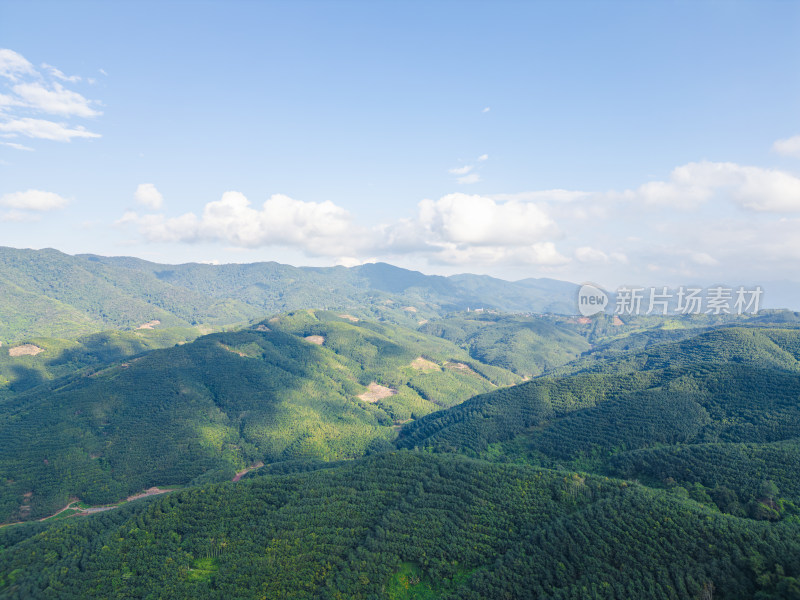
(730, 384)
(47, 293)
(525, 345)
(405, 525)
(202, 410)
(37, 360)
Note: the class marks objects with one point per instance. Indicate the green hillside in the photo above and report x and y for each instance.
(405, 525)
(527, 346)
(720, 410)
(303, 385)
(47, 293)
(26, 365)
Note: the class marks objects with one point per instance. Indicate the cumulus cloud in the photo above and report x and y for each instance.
(753, 188)
(481, 221)
(486, 109)
(35, 200)
(147, 195)
(788, 147)
(319, 229)
(483, 157)
(26, 94)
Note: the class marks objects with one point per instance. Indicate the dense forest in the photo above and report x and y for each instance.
(47, 293)
(407, 525)
(309, 384)
(415, 455)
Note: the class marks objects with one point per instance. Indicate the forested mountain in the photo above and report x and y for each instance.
(407, 525)
(47, 293)
(716, 415)
(660, 463)
(303, 385)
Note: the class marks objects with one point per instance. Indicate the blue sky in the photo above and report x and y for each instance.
(618, 142)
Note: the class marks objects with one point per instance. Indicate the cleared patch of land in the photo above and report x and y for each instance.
(423, 364)
(377, 392)
(263, 327)
(25, 350)
(349, 318)
(243, 472)
(457, 366)
(148, 492)
(409, 309)
(315, 339)
(149, 324)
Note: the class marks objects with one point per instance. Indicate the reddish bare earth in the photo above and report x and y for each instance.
(315, 339)
(149, 324)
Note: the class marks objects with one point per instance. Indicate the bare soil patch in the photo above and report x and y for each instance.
(263, 327)
(315, 339)
(243, 472)
(229, 349)
(25, 350)
(423, 364)
(148, 492)
(409, 309)
(377, 392)
(149, 324)
(349, 318)
(457, 366)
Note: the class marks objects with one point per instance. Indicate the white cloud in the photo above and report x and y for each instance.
(36, 200)
(14, 65)
(28, 93)
(461, 170)
(60, 75)
(483, 157)
(754, 188)
(477, 220)
(147, 195)
(788, 147)
(320, 229)
(587, 254)
(468, 179)
(17, 216)
(556, 195)
(16, 146)
(46, 130)
(543, 254)
(487, 109)
(56, 101)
